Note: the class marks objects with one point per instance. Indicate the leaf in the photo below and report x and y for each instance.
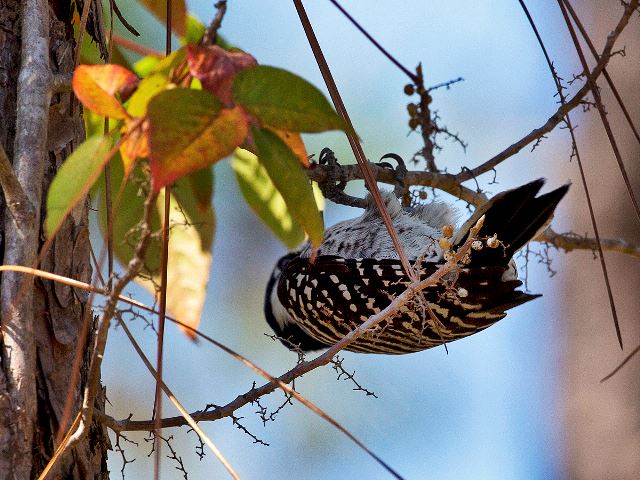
(201, 186)
(189, 131)
(127, 212)
(96, 87)
(178, 13)
(265, 200)
(194, 30)
(290, 180)
(216, 68)
(190, 241)
(135, 144)
(295, 144)
(284, 101)
(74, 179)
(187, 269)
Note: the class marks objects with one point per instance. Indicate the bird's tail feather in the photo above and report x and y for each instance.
(515, 216)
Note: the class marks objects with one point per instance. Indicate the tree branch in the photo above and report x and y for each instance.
(572, 241)
(306, 366)
(17, 201)
(22, 238)
(564, 109)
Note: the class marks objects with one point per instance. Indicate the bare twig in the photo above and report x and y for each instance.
(353, 139)
(185, 415)
(633, 353)
(442, 181)
(134, 267)
(211, 33)
(605, 74)
(306, 366)
(571, 241)
(562, 111)
(596, 94)
(135, 47)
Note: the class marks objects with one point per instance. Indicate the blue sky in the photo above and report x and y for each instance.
(487, 410)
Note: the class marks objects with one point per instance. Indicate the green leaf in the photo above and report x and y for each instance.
(127, 213)
(284, 101)
(189, 131)
(289, 178)
(194, 193)
(265, 200)
(148, 88)
(74, 179)
(194, 30)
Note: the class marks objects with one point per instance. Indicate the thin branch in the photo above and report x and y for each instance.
(572, 241)
(606, 75)
(211, 33)
(595, 91)
(583, 179)
(375, 43)
(622, 364)
(135, 47)
(562, 111)
(134, 267)
(307, 366)
(442, 181)
(185, 415)
(17, 201)
(353, 139)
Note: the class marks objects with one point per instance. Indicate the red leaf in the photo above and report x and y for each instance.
(215, 68)
(96, 86)
(135, 144)
(189, 131)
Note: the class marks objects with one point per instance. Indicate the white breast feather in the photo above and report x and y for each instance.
(366, 236)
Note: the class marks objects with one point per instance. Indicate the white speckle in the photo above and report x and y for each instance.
(378, 270)
(319, 304)
(370, 302)
(385, 283)
(486, 315)
(342, 287)
(459, 321)
(439, 310)
(314, 282)
(365, 281)
(307, 292)
(334, 279)
(346, 295)
(353, 308)
(309, 307)
(325, 293)
(299, 278)
(363, 318)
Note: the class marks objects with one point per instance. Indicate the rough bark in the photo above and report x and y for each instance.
(40, 329)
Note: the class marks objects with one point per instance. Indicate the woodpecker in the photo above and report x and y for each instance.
(312, 303)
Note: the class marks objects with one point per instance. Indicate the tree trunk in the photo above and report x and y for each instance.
(41, 320)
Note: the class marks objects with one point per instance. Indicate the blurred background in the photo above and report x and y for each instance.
(521, 400)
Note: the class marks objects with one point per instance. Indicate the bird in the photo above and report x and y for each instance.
(313, 299)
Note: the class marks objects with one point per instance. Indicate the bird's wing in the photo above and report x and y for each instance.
(333, 295)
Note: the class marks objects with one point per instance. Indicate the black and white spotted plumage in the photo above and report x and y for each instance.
(357, 273)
